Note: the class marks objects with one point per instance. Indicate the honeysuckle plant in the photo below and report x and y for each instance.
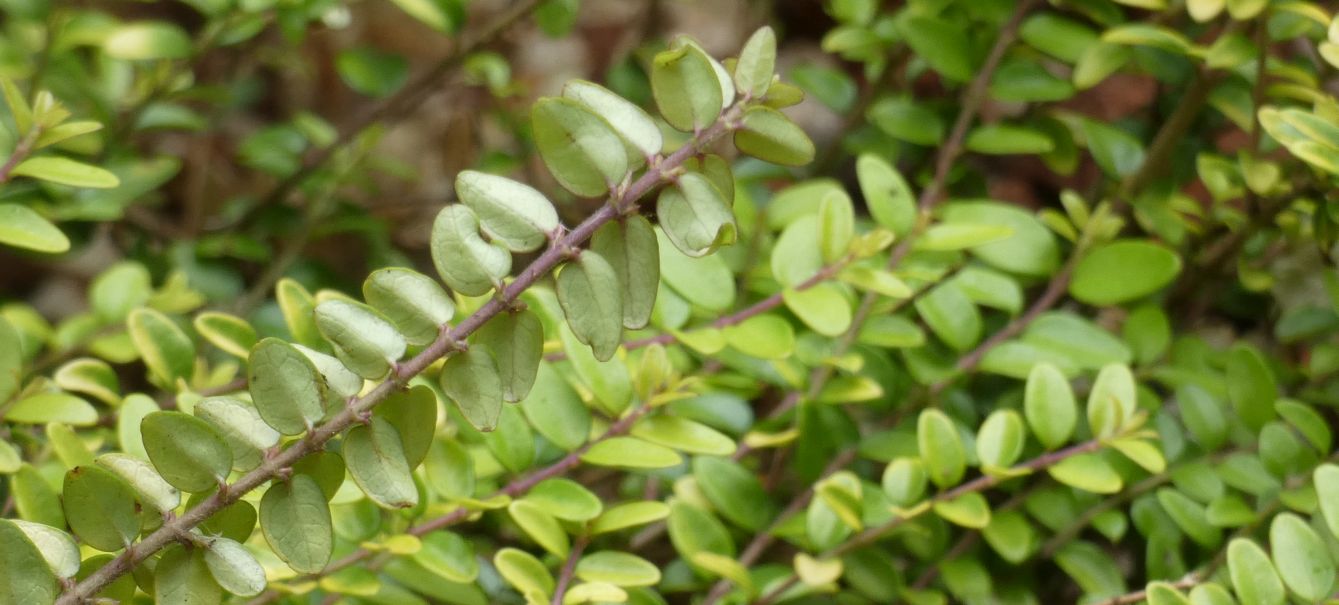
(751, 370)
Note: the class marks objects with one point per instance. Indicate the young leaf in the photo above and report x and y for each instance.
(1048, 403)
(296, 521)
(52, 406)
(951, 315)
(769, 135)
(363, 340)
(556, 411)
(628, 452)
(886, 193)
(288, 391)
(376, 461)
(695, 215)
(1000, 441)
(589, 293)
(298, 306)
(580, 149)
(22, 227)
(904, 481)
(472, 381)
(66, 172)
(516, 340)
(1254, 578)
(467, 263)
(165, 348)
(100, 508)
(968, 510)
(686, 88)
(412, 301)
(566, 499)
(753, 71)
(540, 526)
(1122, 271)
(1301, 558)
(514, 214)
(1088, 472)
(941, 448)
(630, 247)
(229, 333)
(1112, 401)
(186, 450)
(148, 40)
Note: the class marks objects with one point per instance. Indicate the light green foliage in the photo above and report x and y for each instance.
(673, 349)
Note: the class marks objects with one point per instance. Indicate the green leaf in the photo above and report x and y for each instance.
(940, 448)
(1327, 495)
(969, 510)
(1000, 440)
(695, 215)
(471, 380)
(182, 577)
(21, 227)
(823, 308)
(762, 336)
(372, 72)
(706, 281)
(630, 247)
(234, 568)
(556, 411)
(735, 492)
(1092, 569)
(467, 263)
(631, 122)
(52, 407)
(1118, 153)
(757, 62)
(1190, 516)
(449, 556)
(287, 390)
(686, 88)
(887, 194)
(588, 291)
(1302, 559)
(904, 481)
(148, 40)
(295, 519)
(413, 414)
(1250, 386)
(56, 547)
(11, 362)
(683, 435)
(338, 379)
(581, 150)
(629, 452)
(513, 443)
(1099, 61)
(1162, 593)
(618, 568)
(514, 214)
(1088, 472)
(65, 172)
(836, 224)
(1008, 139)
(942, 44)
(363, 340)
(449, 470)
(1011, 535)
(444, 17)
(951, 315)
(1030, 250)
(1202, 415)
(119, 289)
(960, 236)
(412, 301)
(1145, 34)
(540, 526)
(18, 105)
(516, 340)
(904, 119)
(1112, 401)
(1254, 578)
(231, 334)
(565, 499)
(100, 508)
(376, 461)
(523, 571)
(186, 450)
(631, 514)
(1123, 270)
(1143, 453)
(149, 486)
(166, 350)
(35, 499)
(769, 135)
(297, 306)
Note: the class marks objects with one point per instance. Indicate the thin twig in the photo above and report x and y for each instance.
(450, 340)
(569, 569)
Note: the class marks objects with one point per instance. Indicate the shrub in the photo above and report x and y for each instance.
(757, 372)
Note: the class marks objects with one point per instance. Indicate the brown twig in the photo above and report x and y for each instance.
(451, 339)
(569, 569)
